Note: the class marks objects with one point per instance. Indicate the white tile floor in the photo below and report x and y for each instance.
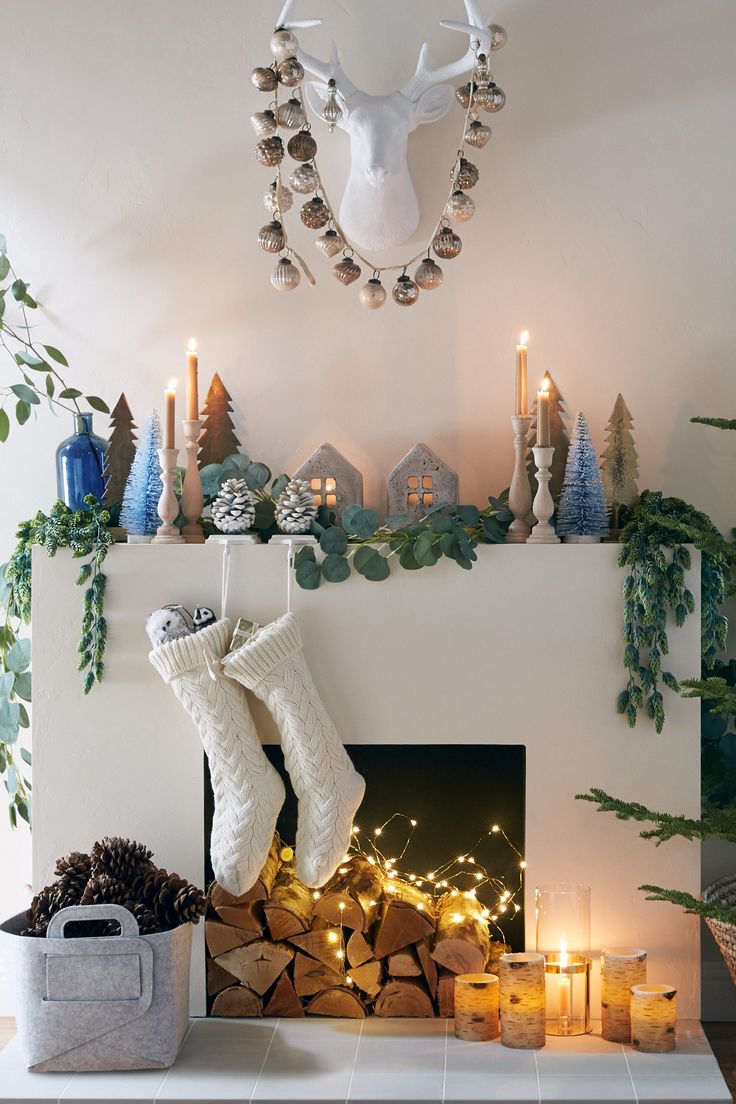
(380, 1061)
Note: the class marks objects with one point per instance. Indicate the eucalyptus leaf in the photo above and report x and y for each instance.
(56, 355)
(7, 679)
(97, 404)
(25, 393)
(70, 393)
(4, 426)
(26, 756)
(335, 569)
(397, 521)
(371, 564)
(23, 719)
(305, 555)
(19, 290)
(30, 359)
(4, 266)
(468, 515)
(23, 683)
(50, 386)
(334, 540)
(426, 550)
(308, 575)
(359, 521)
(279, 485)
(11, 780)
(19, 656)
(407, 558)
(9, 721)
(257, 476)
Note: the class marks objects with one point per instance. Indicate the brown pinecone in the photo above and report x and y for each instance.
(121, 859)
(173, 900)
(74, 870)
(103, 889)
(147, 922)
(43, 907)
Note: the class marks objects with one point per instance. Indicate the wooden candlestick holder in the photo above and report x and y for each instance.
(520, 495)
(543, 506)
(192, 498)
(168, 504)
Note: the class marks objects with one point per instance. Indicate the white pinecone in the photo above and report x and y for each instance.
(234, 509)
(295, 509)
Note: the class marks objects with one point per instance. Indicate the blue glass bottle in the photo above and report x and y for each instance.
(80, 461)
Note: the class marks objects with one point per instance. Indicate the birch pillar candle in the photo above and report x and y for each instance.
(653, 1018)
(621, 968)
(476, 1007)
(522, 1000)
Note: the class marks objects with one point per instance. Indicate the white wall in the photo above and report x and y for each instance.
(131, 198)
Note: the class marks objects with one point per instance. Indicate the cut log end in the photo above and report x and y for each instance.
(343, 1003)
(404, 999)
(237, 1001)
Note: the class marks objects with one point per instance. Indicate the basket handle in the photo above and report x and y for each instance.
(126, 920)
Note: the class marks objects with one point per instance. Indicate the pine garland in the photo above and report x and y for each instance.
(717, 423)
(655, 588)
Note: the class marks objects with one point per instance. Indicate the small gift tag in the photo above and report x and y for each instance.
(244, 631)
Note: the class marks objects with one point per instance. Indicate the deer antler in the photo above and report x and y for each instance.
(325, 70)
(425, 77)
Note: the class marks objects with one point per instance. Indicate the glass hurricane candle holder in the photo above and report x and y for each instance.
(476, 1007)
(563, 937)
(653, 1018)
(621, 968)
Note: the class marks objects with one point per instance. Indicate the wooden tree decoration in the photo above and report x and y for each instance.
(120, 453)
(218, 440)
(559, 437)
(620, 464)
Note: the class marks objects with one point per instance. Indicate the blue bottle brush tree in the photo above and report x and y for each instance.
(139, 513)
(582, 511)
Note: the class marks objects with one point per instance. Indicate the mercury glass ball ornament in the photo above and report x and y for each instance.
(499, 38)
(270, 151)
(498, 98)
(467, 174)
(373, 294)
(264, 123)
(278, 200)
(462, 94)
(291, 114)
(284, 44)
(330, 243)
(315, 213)
(305, 179)
(290, 72)
(285, 276)
(346, 271)
(302, 146)
(478, 134)
(271, 237)
(264, 79)
(484, 97)
(460, 207)
(429, 275)
(405, 292)
(447, 244)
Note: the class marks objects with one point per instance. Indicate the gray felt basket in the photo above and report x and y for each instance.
(116, 1002)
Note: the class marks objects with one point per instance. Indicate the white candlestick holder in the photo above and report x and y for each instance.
(520, 495)
(543, 506)
(192, 501)
(168, 504)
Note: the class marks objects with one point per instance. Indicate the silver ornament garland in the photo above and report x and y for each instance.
(319, 213)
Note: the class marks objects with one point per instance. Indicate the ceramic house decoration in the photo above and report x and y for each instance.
(333, 480)
(419, 481)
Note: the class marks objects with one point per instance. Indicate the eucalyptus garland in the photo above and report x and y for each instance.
(655, 587)
(85, 532)
(361, 543)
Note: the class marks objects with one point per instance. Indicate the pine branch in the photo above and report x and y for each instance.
(717, 423)
(713, 690)
(708, 910)
(716, 822)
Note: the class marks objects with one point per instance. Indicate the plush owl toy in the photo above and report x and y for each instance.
(169, 623)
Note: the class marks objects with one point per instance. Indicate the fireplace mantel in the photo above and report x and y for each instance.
(526, 649)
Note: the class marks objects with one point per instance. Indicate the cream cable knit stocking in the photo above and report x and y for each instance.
(328, 787)
(248, 791)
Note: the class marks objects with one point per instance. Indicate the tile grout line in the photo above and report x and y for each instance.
(355, 1061)
(539, 1083)
(628, 1070)
(265, 1059)
(444, 1066)
(166, 1075)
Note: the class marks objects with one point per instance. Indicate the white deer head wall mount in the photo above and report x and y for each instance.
(379, 207)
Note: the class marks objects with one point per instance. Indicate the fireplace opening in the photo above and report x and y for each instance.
(445, 821)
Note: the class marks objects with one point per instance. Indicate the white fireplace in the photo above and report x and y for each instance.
(525, 649)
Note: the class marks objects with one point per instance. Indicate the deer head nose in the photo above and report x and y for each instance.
(376, 174)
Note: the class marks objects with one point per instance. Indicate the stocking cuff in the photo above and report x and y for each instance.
(191, 653)
(268, 649)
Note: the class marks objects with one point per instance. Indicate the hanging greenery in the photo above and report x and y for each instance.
(85, 532)
(362, 543)
(655, 587)
(45, 361)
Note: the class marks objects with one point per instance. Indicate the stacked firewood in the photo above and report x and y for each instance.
(368, 943)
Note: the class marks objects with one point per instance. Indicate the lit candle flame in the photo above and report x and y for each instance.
(523, 340)
(192, 346)
(544, 385)
(172, 385)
